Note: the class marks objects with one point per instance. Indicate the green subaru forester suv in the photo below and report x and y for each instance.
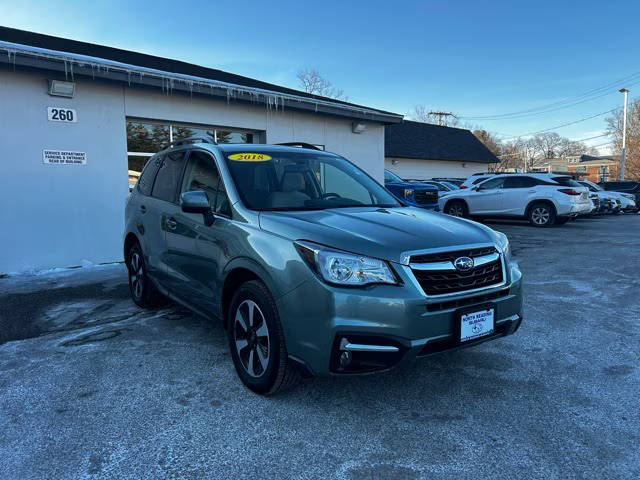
(312, 266)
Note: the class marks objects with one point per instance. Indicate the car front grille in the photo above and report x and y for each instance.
(448, 280)
(425, 197)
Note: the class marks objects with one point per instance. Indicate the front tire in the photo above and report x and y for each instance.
(143, 292)
(457, 208)
(257, 342)
(542, 215)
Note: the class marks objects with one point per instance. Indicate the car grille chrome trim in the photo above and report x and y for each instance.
(448, 266)
(489, 274)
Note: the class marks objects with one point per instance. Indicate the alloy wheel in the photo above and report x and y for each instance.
(136, 274)
(540, 216)
(251, 336)
(456, 210)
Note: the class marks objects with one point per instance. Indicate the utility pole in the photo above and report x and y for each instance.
(624, 133)
(440, 115)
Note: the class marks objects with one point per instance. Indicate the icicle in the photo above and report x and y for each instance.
(65, 70)
(129, 77)
(71, 70)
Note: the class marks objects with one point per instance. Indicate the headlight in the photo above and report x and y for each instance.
(408, 192)
(503, 241)
(344, 268)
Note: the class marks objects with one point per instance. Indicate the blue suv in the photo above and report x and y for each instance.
(415, 194)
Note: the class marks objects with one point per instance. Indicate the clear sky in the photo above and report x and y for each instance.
(472, 58)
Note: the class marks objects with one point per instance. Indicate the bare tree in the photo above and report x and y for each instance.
(312, 82)
(614, 128)
(489, 141)
(510, 157)
(420, 113)
(547, 145)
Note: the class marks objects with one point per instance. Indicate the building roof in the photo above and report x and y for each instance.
(73, 57)
(592, 158)
(426, 141)
(594, 161)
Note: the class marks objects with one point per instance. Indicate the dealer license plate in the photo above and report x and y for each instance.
(476, 324)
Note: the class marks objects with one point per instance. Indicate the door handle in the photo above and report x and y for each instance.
(143, 209)
(531, 191)
(171, 223)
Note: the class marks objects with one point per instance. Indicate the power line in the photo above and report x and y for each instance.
(560, 104)
(563, 125)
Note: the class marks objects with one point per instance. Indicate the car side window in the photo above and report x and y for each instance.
(202, 175)
(492, 184)
(519, 182)
(166, 184)
(148, 175)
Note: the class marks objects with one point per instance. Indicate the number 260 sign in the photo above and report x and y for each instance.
(57, 114)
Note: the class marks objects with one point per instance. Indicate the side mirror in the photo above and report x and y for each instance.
(195, 202)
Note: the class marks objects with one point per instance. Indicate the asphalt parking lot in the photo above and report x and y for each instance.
(93, 388)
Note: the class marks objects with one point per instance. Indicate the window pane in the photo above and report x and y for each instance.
(180, 132)
(203, 175)
(227, 136)
(146, 137)
(168, 176)
(145, 182)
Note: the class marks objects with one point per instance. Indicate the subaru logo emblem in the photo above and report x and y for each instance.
(464, 264)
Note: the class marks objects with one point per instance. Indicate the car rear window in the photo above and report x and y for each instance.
(566, 182)
(478, 180)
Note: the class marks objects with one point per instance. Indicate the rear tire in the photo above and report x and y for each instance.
(542, 215)
(143, 291)
(457, 208)
(257, 342)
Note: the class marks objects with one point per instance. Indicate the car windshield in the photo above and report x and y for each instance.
(285, 180)
(392, 177)
(591, 186)
(450, 185)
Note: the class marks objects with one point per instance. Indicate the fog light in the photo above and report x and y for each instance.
(345, 358)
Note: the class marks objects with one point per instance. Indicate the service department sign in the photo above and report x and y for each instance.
(64, 157)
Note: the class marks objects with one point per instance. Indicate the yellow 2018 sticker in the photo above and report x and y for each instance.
(249, 157)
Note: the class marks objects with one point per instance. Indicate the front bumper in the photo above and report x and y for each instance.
(400, 316)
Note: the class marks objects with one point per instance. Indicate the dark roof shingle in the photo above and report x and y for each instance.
(434, 142)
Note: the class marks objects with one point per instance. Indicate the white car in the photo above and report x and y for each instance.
(627, 201)
(544, 199)
(475, 179)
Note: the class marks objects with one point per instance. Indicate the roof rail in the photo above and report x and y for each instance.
(299, 145)
(195, 139)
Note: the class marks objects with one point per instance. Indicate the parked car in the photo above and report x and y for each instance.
(413, 193)
(312, 266)
(475, 179)
(455, 181)
(542, 198)
(626, 189)
(617, 202)
(444, 188)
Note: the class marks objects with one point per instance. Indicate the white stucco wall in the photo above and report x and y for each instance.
(424, 169)
(60, 215)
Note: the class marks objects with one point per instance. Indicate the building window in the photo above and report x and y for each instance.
(145, 138)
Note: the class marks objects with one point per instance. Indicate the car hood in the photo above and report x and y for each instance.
(386, 233)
